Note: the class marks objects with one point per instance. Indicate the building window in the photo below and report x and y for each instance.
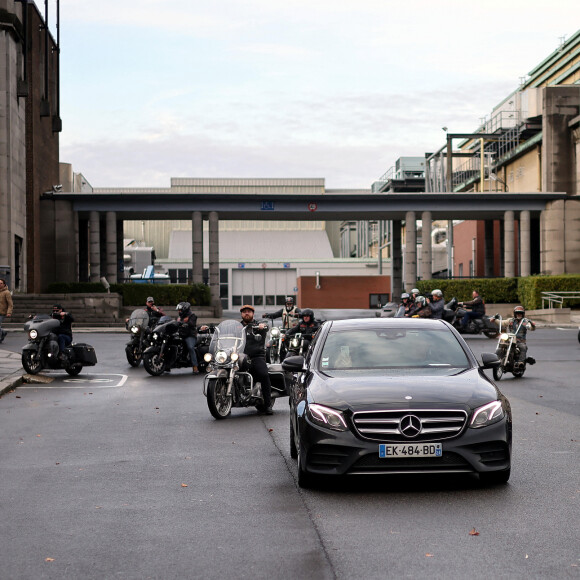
(378, 300)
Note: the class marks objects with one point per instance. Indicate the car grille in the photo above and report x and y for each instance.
(447, 463)
(409, 425)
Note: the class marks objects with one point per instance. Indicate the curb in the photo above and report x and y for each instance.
(10, 382)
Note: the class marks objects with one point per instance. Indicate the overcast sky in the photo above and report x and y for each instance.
(337, 89)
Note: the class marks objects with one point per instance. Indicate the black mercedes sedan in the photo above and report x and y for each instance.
(396, 396)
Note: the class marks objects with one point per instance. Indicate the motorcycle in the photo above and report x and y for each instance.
(202, 347)
(453, 314)
(508, 352)
(139, 327)
(391, 310)
(275, 348)
(167, 348)
(42, 349)
(229, 383)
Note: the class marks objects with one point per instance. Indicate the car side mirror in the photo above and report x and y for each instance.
(293, 364)
(490, 360)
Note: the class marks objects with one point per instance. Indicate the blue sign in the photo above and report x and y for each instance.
(241, 265)
(267, 206)
(286, 264)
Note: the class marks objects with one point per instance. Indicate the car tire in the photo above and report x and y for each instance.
(495, 477)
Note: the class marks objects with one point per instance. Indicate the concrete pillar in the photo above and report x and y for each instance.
(488, 249)
(572, 235)
(525, 254)
(94, 246)
(552, 237)
(197, 247)
(111, 247)
(120, 252)
(396, 262)
(426, 247)
(509, 257)
(410, 270)
(214, 262)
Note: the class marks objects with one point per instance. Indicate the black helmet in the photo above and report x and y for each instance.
(307, 312)
(183, 308)
(519, 310)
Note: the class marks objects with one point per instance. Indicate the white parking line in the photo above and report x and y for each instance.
(81, 382)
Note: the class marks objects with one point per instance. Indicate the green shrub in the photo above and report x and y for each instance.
(492, 290)
(530, 289)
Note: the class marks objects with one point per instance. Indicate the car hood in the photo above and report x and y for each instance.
(439, 387)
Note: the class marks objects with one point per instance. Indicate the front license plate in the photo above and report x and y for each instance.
(404, 450)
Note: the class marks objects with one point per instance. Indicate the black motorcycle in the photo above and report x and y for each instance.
(229, 382)
(508, 352)
(453, 313)
(167, 349)
(139, 325)
(275, 347)
(42, 351)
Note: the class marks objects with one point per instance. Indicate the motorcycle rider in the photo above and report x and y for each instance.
(64, 331)
(256, 351)
(437, 304)
(289, 314)
(188, 331)
(308, 327)
(519, 325)
(154, 313)
(423, 309)
(404, 305)
(477, 307)
(6, 306)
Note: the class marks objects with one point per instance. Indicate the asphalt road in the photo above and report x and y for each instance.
(118, 474)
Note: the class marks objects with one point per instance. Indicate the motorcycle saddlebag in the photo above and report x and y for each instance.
(85, 354)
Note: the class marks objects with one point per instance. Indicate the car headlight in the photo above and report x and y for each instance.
(234, 356)
(33, 334)
(221, 357)
(275, 332)
(329, 418)
(207, 357)
(134, 329)
(487, 415)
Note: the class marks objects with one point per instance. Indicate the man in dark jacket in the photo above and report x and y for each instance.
(188, 331)
(476, 306)
(437, 304)
(256, 352)
(153, 311)
(308, 327)
(64, 331)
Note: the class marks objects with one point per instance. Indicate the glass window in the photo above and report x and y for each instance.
(258, 300)
(392, 347)
(270, 300)
(281, 300)
(236, 300)
(247, 299)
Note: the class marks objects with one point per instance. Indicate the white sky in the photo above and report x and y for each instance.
(339, 89)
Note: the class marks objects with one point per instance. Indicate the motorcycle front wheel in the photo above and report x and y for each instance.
(498, 372)
(154, 364)
(31, 361)
(133, 356)
(218, 401)
(519, 373)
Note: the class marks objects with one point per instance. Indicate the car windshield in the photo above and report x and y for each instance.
(392, 348)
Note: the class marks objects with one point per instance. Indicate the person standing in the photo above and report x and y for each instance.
(256, 352)
(6, 306)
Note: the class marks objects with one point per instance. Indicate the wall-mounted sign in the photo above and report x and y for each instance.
(312, 206)
(241, 265)
(267, 206)
(286, 265)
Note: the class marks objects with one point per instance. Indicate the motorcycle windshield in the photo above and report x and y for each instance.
(229, 336)
(139, 318)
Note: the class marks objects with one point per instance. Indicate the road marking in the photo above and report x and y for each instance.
(83, 382)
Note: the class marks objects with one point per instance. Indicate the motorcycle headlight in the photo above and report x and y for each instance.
(329, 418)
(294, 343)
(155, 336)
(207, 357)
(134, 329)
(275, 332)
(221, 357)
(487, 415)
(33, 334)
(504, 336)
(234, 356)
